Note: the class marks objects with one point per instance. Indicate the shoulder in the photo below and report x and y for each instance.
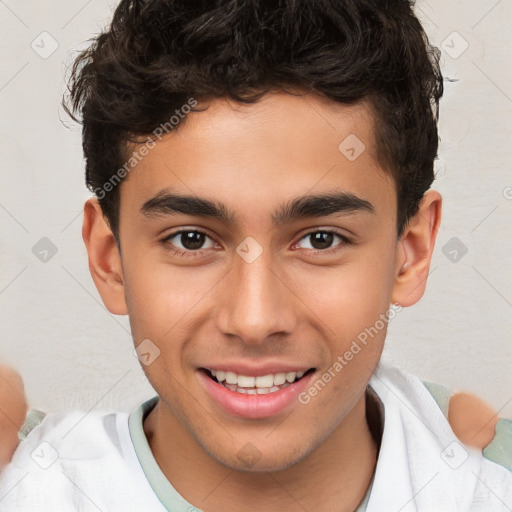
(64, 452)
(471, 419)
(476, 423)
(76, 434)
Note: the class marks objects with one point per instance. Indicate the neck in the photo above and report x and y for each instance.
(335, 476)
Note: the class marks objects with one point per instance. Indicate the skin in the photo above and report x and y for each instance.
(13, 409)
(472, 420)
(286, 306)
(270, 309)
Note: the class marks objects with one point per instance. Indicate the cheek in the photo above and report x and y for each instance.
(160, 295)
(349, 297)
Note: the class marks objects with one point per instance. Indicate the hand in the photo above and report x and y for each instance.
(472, 420)
(13, 409)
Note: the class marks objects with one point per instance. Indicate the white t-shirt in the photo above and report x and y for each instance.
(101, 461)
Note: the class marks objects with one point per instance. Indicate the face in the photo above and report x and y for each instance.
(263, 279)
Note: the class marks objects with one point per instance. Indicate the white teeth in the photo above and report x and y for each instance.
(245, 382)
(255, 391)
(231, 377)
(290, 376)
(264, 381)
(261, 382)
(279, 378)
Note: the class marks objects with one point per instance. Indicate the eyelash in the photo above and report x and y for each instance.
(312, 252)
(319, 252)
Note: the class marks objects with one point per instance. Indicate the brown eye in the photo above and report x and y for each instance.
(189, 240)
(192, 240)
(323, 240)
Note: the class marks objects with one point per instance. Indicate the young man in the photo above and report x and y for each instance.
(262, 174)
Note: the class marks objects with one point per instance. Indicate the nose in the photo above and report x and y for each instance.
(256, 301)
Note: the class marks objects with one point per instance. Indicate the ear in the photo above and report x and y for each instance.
(104, 258)
(414, 251)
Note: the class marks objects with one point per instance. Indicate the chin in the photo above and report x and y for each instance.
(251, 460)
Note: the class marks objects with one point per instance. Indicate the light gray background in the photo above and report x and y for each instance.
(73, 353)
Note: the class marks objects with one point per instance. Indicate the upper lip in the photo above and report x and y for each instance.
(243, 368)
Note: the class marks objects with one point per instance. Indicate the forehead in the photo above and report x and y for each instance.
(254, 156)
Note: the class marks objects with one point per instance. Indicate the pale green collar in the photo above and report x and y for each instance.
(165, 492)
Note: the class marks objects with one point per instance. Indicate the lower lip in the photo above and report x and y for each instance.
(254, 406)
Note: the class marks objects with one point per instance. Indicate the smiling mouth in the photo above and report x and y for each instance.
(260, 385)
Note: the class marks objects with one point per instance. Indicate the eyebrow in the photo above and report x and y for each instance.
(166, 202)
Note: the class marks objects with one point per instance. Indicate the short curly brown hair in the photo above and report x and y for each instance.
(157, 54)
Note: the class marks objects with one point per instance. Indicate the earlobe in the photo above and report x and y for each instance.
(104, 258)
(414, 251)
